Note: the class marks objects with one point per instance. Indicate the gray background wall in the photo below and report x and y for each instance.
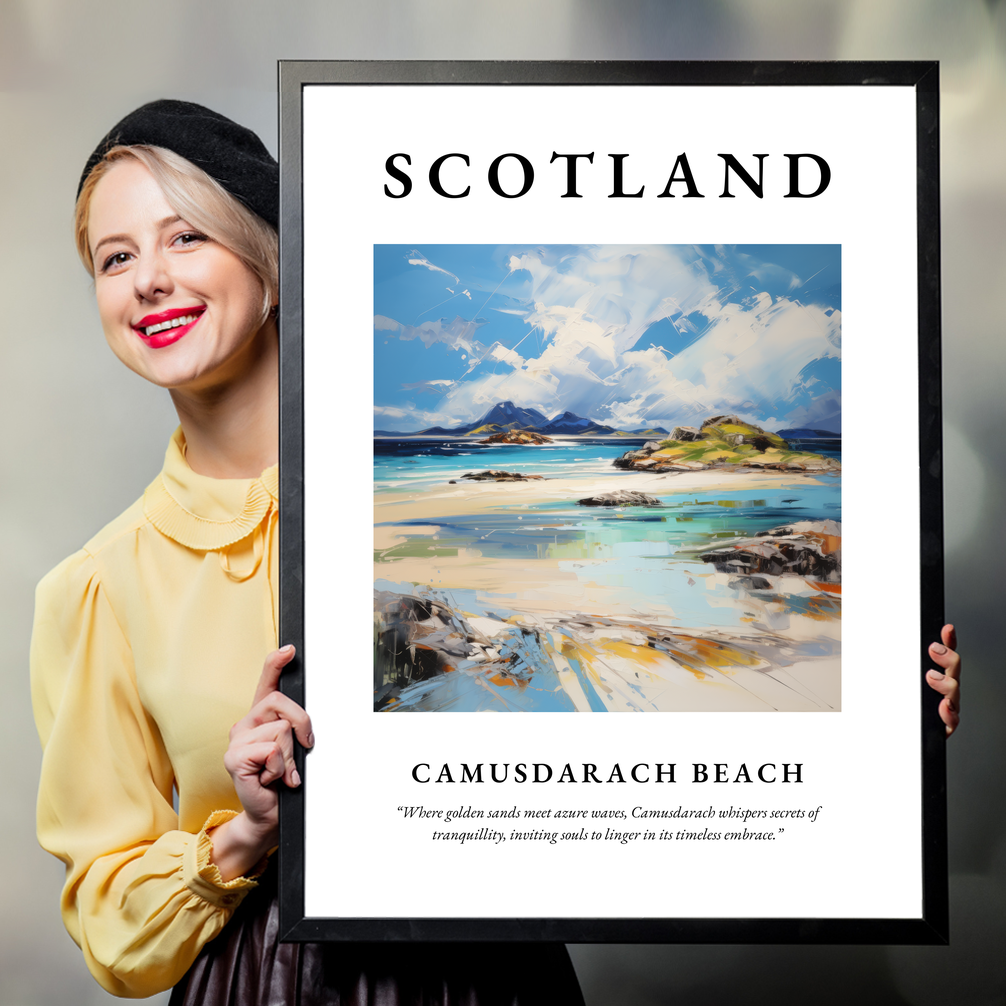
(81, 436)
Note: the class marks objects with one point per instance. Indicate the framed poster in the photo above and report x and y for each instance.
(604, 318)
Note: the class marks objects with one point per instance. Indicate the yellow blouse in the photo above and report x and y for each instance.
(147, 647)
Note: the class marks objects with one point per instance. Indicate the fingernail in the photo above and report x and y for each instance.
(938, 648)
(310, 740)
(936, 675)
(287, 649)
(295, 777)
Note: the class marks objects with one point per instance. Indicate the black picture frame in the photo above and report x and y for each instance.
(932, 925)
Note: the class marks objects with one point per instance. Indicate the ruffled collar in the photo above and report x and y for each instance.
(203, 513)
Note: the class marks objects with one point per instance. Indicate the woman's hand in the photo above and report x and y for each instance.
(260, 753)
(947, 682)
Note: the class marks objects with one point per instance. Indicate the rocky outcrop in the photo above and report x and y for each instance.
(494, 476)
(517, 437)
(414, 639)
(420, 640)
(724, 442)
(827, 533)
(719, 420)
(650, 461)
(621, 497)
(685, 434)
(811, 549)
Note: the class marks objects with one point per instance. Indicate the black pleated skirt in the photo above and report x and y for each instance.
(246, 965)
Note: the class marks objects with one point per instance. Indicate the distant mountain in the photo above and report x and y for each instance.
(505, 416)
(808, 434)
(501, 417)
(510, 417)
(433, 431)
(570, 423)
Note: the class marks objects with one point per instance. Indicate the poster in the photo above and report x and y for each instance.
(602, 386)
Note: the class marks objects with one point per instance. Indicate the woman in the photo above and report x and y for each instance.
(149, 642)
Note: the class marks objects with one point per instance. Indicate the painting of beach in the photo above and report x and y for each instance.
(607, 478)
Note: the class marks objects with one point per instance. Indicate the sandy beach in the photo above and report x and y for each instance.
(474, 497)
(599, 642)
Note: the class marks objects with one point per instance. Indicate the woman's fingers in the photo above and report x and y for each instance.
(274, 766)
(946, 681)
(261, 749)
(278, 735)
(277, 706)
(947, 686)
(949, 712)
(261, 761)
(949, 636)
(271, 670)
(948, 660)
(270, 703)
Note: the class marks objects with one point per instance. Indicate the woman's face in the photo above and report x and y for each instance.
(177, 308)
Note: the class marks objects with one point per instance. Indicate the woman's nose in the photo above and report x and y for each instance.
(152, 277)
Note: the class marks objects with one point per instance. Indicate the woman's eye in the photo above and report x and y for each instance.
(190, 238)
(114, 261)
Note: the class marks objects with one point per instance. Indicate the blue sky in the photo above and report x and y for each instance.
(628, 336)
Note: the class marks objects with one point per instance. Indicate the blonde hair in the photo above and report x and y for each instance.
(199, 200)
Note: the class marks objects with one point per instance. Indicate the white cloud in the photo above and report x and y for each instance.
(457, 334)
(501, 353)
(411, 417)
(418, 258)
(437, 386)
(748, 361)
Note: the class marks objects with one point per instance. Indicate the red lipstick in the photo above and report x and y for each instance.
(165, 333)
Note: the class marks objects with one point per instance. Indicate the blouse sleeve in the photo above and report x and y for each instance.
(141, 898)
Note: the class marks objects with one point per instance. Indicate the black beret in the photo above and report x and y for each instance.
(231, 154)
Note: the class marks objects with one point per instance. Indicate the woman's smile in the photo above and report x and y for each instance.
(166, 327)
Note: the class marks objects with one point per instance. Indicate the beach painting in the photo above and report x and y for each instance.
(607, 478)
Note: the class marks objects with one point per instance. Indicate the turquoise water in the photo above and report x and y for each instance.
(420, 464)
(639, 554)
